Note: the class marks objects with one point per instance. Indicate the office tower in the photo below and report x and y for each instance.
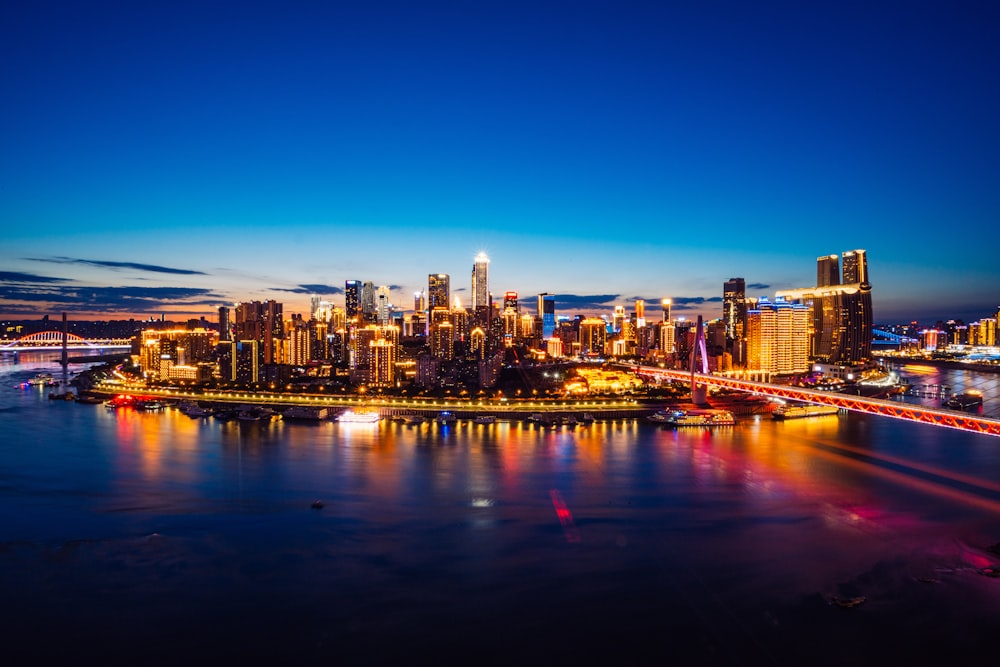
(827, 271)
(666, 309)
(547, 313)
(666, 339)
(593, 335)
(459, 318)
(224, 332)
(352, 298)
(368, 305)
(481, 283)
(438, 291)
(382, 305)
(510, 301)
(841, 312)
(419, 302)
(477, 343)
(734, 309)
(640, 313)
(618, 321)
(777, 337)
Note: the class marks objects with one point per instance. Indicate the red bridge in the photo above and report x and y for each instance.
(872, 406)
(52, 340)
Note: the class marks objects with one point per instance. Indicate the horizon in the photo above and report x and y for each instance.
(175, 159)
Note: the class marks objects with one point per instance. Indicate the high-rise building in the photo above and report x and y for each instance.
(352, 298)
(368, 305)
(382, 362)
(841, 311)
(547, 313)
(438, 291)
(827, 271)
(224, 332)
(481, 282)
(618, 320)
(382, 305)
(666, 309)
(777, 336)
(734, 309)
(419, 302)
(261, 321)
(442, 341)
(593, 335)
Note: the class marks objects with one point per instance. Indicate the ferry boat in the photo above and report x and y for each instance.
(693, 418)
(800, 411)
(485, 419)
(351, 417)
(42, 379)
(306, 413)
(445, 418)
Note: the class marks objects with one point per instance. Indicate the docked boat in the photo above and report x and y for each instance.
(351, 417)
(306, 413)
(89, 400)
(485, 419)
(801, 411)
(445, 418)
(965, 400)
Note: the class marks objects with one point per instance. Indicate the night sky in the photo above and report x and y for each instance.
(174, 157)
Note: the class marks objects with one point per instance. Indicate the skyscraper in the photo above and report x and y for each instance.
(382, 305)
(734, 309)
(368, 306)
(842, 311)
(438, 291)
(547, 313)
(352, 298)
(481, 282)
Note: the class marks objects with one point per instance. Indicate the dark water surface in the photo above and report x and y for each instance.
(155, 538)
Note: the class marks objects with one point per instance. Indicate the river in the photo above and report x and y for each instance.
(151, 537)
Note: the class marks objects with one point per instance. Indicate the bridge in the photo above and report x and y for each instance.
(53, 340)
(873, 406)
(887, 336)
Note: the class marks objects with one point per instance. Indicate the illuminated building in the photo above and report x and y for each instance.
(593, 335)
(261, 321)
(734, 309)
(338, 318)
(361, 345)
(160, 350)
(527, 329)
(459, 318)
(239, 361)
(666, 338)
(442, 341)
(382, 365)
(419, 302)
(618, 321)
(841, 312)
(640, 313)
(510, 301)
(352, 298)
(438, 291)
(297, 342)
(224, 332)
(382, 305)
(477, 343)
(553, 347)
(481, 284)
(547, 313)
(777, 337)
(368, 306)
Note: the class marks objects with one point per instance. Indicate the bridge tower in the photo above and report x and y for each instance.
(65, 344)
(699, 392)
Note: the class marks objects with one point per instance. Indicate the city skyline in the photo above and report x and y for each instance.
(172, 160)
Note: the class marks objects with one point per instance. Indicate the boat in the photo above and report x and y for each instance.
(412, 419)
(42, 380)
(485, 419)
(89, 400)
(445, 418)
(800, 411)
(965, 400)
(306, 413)
(193, 410)
(351, 417)
(67, 396)
(694, 418)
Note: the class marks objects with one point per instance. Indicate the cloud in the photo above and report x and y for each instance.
(14, 277)
(311, 288)
(584, 301)
(118, 265)
(108, 299)
(758, 286)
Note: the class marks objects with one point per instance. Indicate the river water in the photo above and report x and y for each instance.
(155, 538)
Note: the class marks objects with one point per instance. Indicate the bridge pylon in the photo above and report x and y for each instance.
(699, 392)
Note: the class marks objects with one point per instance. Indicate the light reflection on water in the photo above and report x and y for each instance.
(172, 535)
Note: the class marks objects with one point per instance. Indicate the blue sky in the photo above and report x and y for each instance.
(176, 157)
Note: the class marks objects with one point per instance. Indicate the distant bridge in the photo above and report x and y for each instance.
(873, 406)
(889, 336)
(53, 340)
